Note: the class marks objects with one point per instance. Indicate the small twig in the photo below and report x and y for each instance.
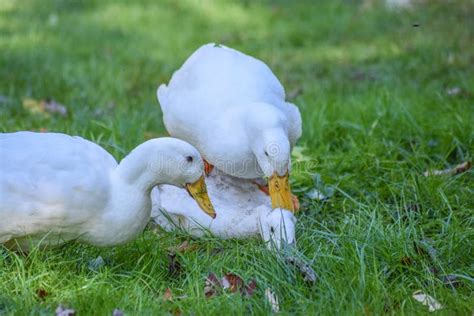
(306, 271)
(463, 167)
(292, 256)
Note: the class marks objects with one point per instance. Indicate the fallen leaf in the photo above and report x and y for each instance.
(224, 283)
(42, 293)
(212, 285)
(117, 312)
(174, 267)
(250, 288)
(63, 311)
(463, 167)
(232, 282)
(168, 296)
(272, 299)
(427, 300)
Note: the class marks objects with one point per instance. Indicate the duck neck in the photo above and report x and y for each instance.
(139, 171)
(129, 207)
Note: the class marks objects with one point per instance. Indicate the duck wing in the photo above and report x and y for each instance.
(50, 182)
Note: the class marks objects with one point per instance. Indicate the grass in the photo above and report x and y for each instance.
(376, 112)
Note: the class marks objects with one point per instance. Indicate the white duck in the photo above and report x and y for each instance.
(241, 210)
(55, 188)
(232, 108)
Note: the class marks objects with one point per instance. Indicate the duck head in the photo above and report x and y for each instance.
(270, 145)
(189, 164)
(171, 161)
(277, 228)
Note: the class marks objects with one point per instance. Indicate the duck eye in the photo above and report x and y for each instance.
(189, 159)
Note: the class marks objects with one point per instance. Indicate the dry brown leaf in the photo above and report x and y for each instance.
(249, 288)
(168, 296)
(212, 285)
(463, 167)
(63, 311)
(427, 300)
(42, 293)
(272, 299)
(174, 266)
(232, 282)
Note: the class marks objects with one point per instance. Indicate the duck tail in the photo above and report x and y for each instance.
(162, 95)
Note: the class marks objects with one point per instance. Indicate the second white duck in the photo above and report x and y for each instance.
(55, 188)
(242, 211)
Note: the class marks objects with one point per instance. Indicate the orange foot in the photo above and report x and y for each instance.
(264, 189)
(207, 168)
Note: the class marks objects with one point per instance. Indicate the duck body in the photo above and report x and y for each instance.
(220, 100)
(55, 188)
(242, 211)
